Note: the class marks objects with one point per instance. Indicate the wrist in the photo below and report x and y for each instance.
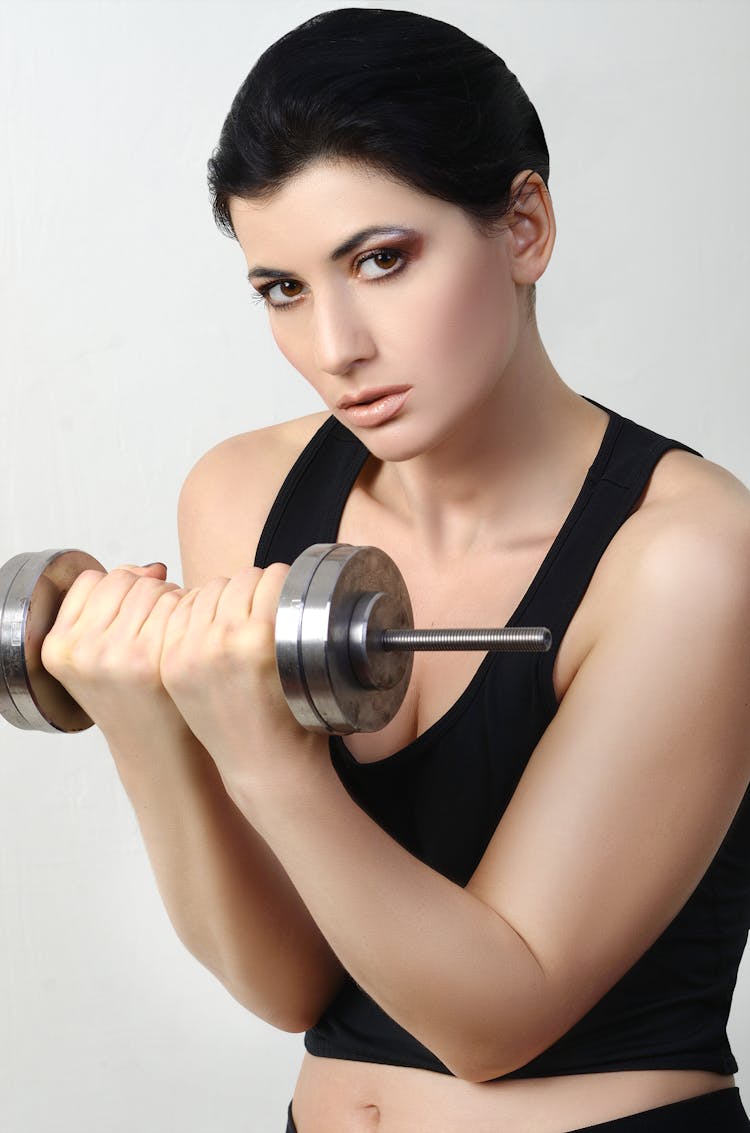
(286, 781)
(160, 727)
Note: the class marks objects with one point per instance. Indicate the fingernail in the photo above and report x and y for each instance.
(147, 565)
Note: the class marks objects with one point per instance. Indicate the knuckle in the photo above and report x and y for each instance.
(144, 583)
(142, 668)
(213, 583)
(121, 572)
(172, 595)
(84, 657)
(53, 653)
(258, 645)
(130, 663)
(87, 576)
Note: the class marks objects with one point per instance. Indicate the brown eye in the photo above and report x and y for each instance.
(283, 293)
(385, 262)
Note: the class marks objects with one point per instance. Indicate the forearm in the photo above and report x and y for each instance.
(441, 962)
(435, 957)
(228, 897)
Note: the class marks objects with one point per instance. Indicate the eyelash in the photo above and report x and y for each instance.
(261, 295)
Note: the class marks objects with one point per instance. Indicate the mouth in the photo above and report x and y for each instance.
(373, 407)
(368, 396)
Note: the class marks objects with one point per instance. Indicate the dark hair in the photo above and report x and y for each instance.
(408, 95)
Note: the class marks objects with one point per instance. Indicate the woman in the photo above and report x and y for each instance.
(522, 904)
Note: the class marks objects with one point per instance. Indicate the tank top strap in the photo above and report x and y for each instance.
(311, 500)
(614, 484)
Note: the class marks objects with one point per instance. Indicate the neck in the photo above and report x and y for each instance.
(507, 474)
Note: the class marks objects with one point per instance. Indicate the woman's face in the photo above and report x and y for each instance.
(405, 332)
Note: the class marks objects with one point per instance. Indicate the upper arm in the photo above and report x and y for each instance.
(634, 784)
(227, 495)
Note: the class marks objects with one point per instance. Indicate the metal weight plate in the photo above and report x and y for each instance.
(355, 687)
(32, 589)
(8, 573)
(335, 600)
(288, 636)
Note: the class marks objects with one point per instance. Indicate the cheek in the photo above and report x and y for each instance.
(285, 342)
(466, 324)
(292, 346)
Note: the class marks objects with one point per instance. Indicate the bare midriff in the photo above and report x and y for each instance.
(338, 1096)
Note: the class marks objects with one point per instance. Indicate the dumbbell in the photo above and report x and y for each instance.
(344, 639)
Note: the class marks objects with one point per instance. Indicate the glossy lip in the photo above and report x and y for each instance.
(368, 395)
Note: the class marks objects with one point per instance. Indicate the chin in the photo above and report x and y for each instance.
(400, 441)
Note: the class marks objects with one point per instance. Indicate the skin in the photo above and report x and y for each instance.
(478, 470)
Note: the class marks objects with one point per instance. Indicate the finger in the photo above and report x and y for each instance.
(179, 618)
(158, 617)
(151, 569)
(268, 592)
(94, 599)
(139, 602)
(236, 599)
(80, 591)
(77, 597)
(104, 601)
(203, 609)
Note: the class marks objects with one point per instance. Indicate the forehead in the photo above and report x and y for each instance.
(322, 205)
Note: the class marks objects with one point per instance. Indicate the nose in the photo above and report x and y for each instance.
(341, 334)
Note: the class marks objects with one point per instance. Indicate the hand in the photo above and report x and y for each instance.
(105, 648)
(219, 666)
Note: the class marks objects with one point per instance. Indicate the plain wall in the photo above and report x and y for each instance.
(129, 346)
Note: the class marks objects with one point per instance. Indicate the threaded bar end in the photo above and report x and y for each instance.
(513, 639)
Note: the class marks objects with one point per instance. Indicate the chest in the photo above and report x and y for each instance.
(485, 589)
(477, 591)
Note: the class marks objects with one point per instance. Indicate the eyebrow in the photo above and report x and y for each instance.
(342, 250)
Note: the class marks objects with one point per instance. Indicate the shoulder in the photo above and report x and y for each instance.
(228, 493)
(681, 477)
(693, 506)
(688, 542)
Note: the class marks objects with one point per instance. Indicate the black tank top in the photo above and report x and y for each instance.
(443, 795)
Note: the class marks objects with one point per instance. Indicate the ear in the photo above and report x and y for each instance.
(532, 228)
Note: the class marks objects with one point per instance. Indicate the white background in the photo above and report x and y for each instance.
(129, 346)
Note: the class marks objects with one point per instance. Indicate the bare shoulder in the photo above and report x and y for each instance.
(697, 542)
(691, 530)
(228, 493)
(691, 501)
(679, 476)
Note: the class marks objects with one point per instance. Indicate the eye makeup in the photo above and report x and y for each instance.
(396, 231)
(389, 252)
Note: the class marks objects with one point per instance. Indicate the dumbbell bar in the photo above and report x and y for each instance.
(344, 639)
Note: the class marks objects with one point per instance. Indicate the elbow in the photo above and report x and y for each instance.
(285, 1000)
(284, 1010)
(499, 1038)
(289, 1003)
(293, 1015)
(288, 1020)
